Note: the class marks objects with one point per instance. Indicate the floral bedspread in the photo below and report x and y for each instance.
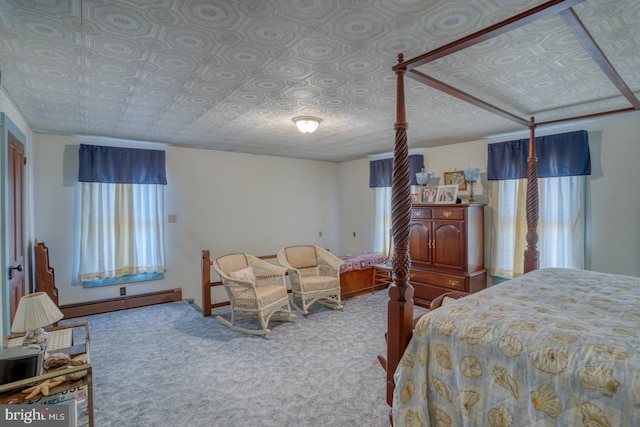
(554, 347)
(361, 261)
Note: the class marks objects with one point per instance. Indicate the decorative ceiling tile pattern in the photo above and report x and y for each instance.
(231, 74)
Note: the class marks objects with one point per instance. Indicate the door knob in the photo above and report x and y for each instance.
(19, 268)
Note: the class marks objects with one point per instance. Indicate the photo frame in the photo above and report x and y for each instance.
(415, 199)
(428, 194)
(455, 178)
(447, 194)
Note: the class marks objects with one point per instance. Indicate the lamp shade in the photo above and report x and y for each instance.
(35, 311)
(307, 124)
(471, 174)
(423, 177)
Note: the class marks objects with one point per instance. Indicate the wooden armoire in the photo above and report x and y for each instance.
(446, 245)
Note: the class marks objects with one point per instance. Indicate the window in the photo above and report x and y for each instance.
(382, 219)
(122, 211)
(380, 179)
(560, 225)
(563, 162)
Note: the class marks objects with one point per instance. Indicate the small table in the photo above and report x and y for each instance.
(72, 339)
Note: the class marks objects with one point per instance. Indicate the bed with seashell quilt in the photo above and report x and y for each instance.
(554, 347)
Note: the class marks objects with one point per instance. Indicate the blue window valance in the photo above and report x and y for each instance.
(381, 171)
(121, 165)
(565, 154)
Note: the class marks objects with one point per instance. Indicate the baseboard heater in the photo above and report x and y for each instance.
(120, 303)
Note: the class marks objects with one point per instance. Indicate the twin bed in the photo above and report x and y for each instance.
(552, 347)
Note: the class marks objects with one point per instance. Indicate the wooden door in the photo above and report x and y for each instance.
(15, 223)
(12, 143)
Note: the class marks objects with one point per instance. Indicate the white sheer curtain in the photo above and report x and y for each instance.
(561, 244)
(509, 228)
(122, 230)
(382, 219)
(560, 225)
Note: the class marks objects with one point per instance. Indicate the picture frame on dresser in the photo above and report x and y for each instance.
(447, 194)
(428, 194)
(455, 178)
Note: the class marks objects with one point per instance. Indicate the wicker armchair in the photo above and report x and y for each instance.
(255, 288)
(314, 274)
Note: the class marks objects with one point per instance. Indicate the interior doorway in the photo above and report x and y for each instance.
(13, 241)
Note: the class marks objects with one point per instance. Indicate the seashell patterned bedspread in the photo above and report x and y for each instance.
(554, 347)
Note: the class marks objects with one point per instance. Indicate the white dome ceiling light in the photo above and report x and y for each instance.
(307, 124)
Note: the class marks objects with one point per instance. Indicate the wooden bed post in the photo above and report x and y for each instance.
(400, 307)
(205, 267)
(531, 253)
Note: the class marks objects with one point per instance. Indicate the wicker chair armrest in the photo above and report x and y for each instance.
(327, 270)
(238, 287)
(261, 267)
(282, 259)
(267, 274)
(226, 278)
(330, 258)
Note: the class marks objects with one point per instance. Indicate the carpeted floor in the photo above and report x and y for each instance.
(166, 365)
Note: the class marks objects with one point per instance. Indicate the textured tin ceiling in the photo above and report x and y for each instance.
(230, 75)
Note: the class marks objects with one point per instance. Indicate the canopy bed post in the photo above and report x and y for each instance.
(531, 253)
(400, 308)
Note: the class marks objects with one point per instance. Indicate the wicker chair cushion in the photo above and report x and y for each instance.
(302, 256)
(233, 262)
(270, 294)
(245, 274)
(319, 283)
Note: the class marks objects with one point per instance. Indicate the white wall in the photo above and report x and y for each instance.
(613, 219)
(224, 202)
(613, 199)
(356, 207)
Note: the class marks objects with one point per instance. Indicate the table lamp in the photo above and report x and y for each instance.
(471, 176)
(34, 312)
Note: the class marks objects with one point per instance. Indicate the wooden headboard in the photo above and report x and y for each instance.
(45, 276)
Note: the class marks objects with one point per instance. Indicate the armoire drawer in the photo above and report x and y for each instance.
(448, 213)
(420, 212)
(451, 281)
